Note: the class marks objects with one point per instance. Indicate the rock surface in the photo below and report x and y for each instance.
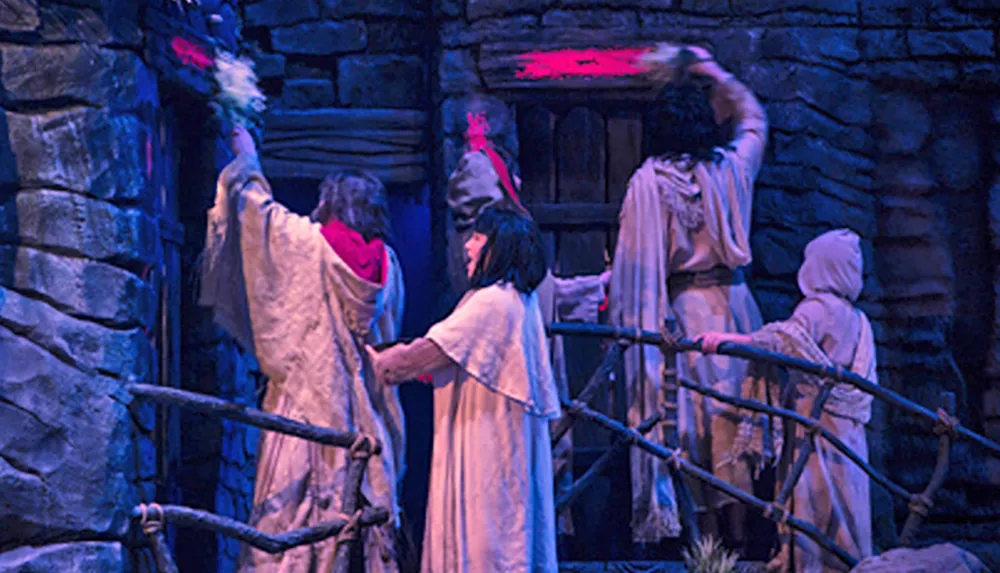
(934, 559)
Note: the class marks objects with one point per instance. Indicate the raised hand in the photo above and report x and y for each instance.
(240, 141)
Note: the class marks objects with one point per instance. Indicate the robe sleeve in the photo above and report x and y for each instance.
(409, 361)
(577, 299)
(750, 130)
(808, 315)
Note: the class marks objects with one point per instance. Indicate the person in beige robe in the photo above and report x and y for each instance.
(306, 297)
(826, 328)
(684, 236)
(481, 181)
(490, 506)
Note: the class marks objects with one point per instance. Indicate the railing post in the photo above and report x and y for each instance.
(671, 435)
(350, 505)
(921, 503)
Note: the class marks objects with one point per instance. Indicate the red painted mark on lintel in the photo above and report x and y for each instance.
(588, 63)
(191, 54)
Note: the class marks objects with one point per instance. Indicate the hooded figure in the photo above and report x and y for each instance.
(306, 296)
(826, 328)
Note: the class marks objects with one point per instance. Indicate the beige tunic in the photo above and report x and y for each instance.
(833, 492)
(675, 218)
(474, 186)
(490, 505)
(307, 317)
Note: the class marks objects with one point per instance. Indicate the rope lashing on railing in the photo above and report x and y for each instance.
(756, 354)
(921, 504)
(352, 529)
(946, 424)
(362, 447)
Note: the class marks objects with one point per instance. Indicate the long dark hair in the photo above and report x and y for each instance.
(357, 199)
(682, 122)
(513, 252)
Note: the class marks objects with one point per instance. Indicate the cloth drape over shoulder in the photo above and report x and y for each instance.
(500, 341)
(275, 283)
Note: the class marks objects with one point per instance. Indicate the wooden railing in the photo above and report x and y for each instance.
(346, 528)
(941, 421)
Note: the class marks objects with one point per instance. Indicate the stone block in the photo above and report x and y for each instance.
(84, 150)
(705, 7)
(836, 164)
(980, 75)
(78, 72)
(19, 15)
(269, 66)
(381, 81)
(397, 36)
(460, 33)
(919, 74)
(457, 71)
(834, 210)
(99, 24)
(451, 8)
(959, 44)
(612, 20)
(943, 557)
(816, 45)
(908, 217)
(844, 98)
(308, 94)
(64, 449)
(902, 123)
(905, 177)
(883, 44)
(86, 345)
(321, 38)
(271, 13)
(79, 557)
(413, 9)
(476, 9)
(909, 265)
(79, 287)
(955, 160)
(798, 117)
(762, 7)
(777, 251)
(994, 209)
(297, 70)
(85, 226)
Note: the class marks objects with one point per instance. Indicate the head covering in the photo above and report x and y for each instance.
(833, 265)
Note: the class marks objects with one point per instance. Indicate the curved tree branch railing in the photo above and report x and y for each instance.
(944, 424)
(345, 528)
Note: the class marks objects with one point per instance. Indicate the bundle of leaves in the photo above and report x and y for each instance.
(708, 555)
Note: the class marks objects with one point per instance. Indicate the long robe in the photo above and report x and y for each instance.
(274, 282)
(683, 217)
(833, 493)
(474, 186)
(490, 505)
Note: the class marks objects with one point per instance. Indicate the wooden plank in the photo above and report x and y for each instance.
(345, 119)
(558, 215)
(536, 138)
(283, 168)
(581, 159)
(410, 138)
(624, 156)
(342, 146)
(309, 155)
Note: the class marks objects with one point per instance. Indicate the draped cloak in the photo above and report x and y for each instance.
(681, 216)
(273, 281)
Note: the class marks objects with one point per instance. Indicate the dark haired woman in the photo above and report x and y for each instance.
(306, 296)
(490, 505)
(684, 236)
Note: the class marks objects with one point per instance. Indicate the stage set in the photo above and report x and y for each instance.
(466, 285)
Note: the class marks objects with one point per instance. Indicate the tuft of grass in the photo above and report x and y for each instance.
(708, 555)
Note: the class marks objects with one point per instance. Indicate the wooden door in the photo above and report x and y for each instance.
(575, 162)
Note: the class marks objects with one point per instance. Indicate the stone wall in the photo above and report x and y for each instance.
(883, 120)
(75, 233)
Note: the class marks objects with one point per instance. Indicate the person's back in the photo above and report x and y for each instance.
(684, 238)
(310, 294)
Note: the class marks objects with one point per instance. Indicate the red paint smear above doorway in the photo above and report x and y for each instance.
(190, 54)
(587, 63)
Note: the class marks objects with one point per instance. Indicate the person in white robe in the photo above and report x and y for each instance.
(684, 237)
(490, 505)
(826, 328)
(483, 179)
(306, 295)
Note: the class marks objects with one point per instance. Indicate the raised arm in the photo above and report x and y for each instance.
(750, 129)
(578, 299)
(404, 362)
